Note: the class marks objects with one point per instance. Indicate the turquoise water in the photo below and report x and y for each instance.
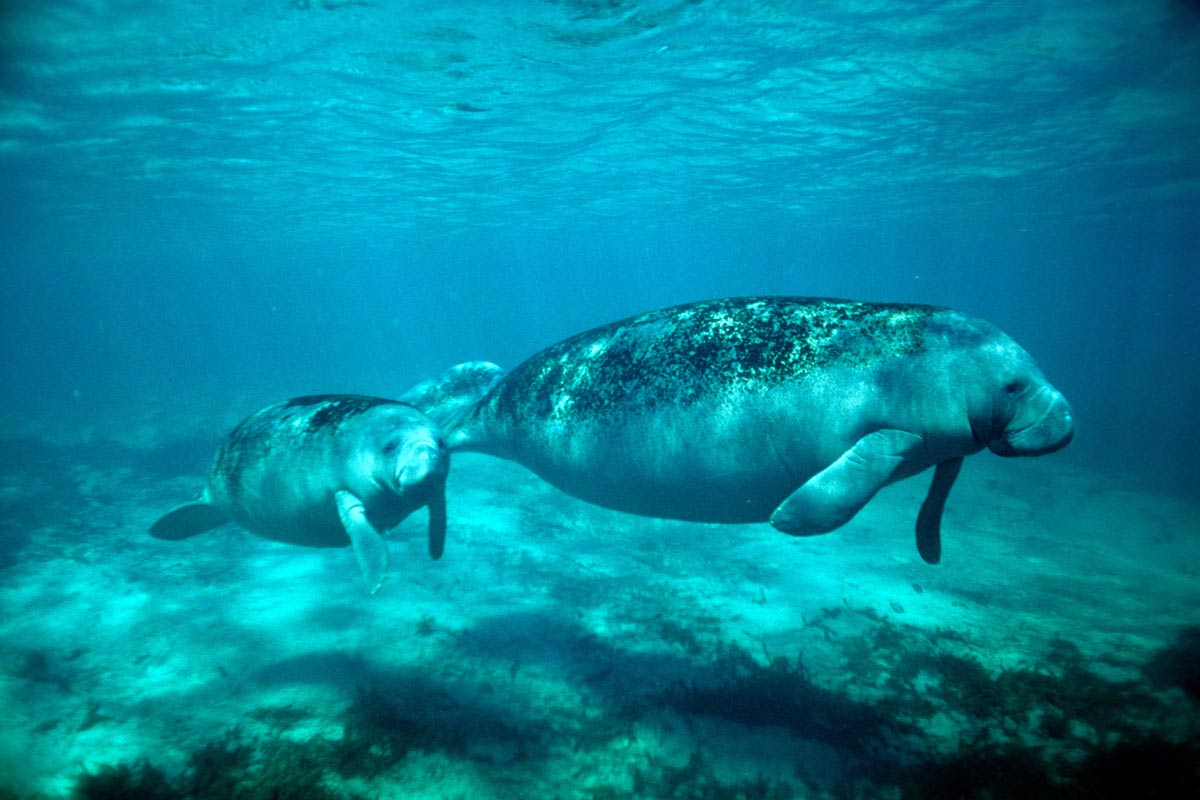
(354, 195)
(207, 207)
(342, 120)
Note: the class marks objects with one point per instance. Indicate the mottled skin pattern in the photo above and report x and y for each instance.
(719, 410)
(680, 356)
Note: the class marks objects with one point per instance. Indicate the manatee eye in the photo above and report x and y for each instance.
(441, 443)
(390, 448)
(1014, 387)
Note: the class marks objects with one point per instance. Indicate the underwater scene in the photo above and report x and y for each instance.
(599, 399)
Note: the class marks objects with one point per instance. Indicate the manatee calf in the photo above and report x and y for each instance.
(324, 471)
(788, 409)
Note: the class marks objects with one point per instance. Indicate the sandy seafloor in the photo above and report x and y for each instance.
(563, 650)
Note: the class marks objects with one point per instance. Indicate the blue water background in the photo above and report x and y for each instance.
(306, 197)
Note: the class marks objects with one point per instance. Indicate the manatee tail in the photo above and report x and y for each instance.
(450, 398)
(188, 520)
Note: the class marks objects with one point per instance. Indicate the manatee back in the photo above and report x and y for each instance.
(285, 433)
(685, 354)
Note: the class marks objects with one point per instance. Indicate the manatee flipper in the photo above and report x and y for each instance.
(450, 398)
(834, 495)
(929, 521)
(369, 546)
(188, 520)
(437, 525)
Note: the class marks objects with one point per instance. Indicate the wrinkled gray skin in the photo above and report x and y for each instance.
(324, 471)
(792, 410)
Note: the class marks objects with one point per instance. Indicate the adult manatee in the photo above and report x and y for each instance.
(789, 409)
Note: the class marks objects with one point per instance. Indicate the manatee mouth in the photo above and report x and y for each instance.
(1051, 431)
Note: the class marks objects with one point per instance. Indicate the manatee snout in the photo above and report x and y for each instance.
(421, 472)
(1046, 425)
(420, 459)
